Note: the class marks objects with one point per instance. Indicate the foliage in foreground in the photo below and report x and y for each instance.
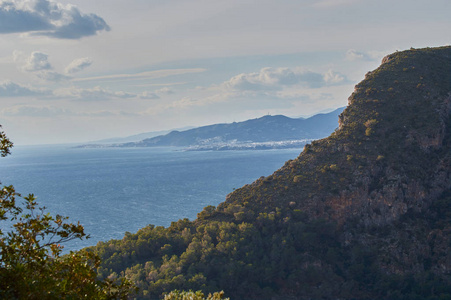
(190, 295)
(31, 262)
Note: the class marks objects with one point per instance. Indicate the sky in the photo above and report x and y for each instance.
(81, 70)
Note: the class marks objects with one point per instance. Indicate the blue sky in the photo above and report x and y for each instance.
(81, 70)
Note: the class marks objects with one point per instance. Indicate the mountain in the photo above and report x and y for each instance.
(262, 133)
(264, 129)
(362, 214)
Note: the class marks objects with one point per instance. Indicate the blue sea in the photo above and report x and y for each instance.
(116, 190)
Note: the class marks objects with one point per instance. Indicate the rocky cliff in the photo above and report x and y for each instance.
(389, 160)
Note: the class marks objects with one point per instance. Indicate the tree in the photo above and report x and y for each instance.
(31, 262)
(190, 295)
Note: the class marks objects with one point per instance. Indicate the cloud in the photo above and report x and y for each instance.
(11, 89)
(148, 95)
(186, 102)
(77, 65)
(268, 79)
(36, 62)
(332, 77)
(94, 94)
(48, 18)
(352, 54)
(312, 79)
(51, 76)
(143, 75)
(165, 90)
(100, 94)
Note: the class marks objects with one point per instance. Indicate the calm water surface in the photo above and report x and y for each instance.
(115, 190)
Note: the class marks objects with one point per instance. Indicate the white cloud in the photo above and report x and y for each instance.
(148, 95)
(48, 18)
(77, 65)
(143, 75)
(120, 94)
(94, 94)
(36, 62)
(165, 90)
(332, 77)
(268, 79)
(352, 54)
(185, 102)
(100, 94)
(11, 89)
(51, 76)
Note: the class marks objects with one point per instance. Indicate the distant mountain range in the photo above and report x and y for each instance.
(267, 132)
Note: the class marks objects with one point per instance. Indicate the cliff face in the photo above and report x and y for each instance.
(390, 154)
(387, 190)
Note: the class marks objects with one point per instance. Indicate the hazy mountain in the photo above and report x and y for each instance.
(262, 133)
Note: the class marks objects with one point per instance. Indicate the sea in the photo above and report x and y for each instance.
(111, 191)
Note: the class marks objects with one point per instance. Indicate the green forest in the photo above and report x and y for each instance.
(277, 255)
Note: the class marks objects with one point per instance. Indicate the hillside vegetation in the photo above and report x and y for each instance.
(362, 214)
